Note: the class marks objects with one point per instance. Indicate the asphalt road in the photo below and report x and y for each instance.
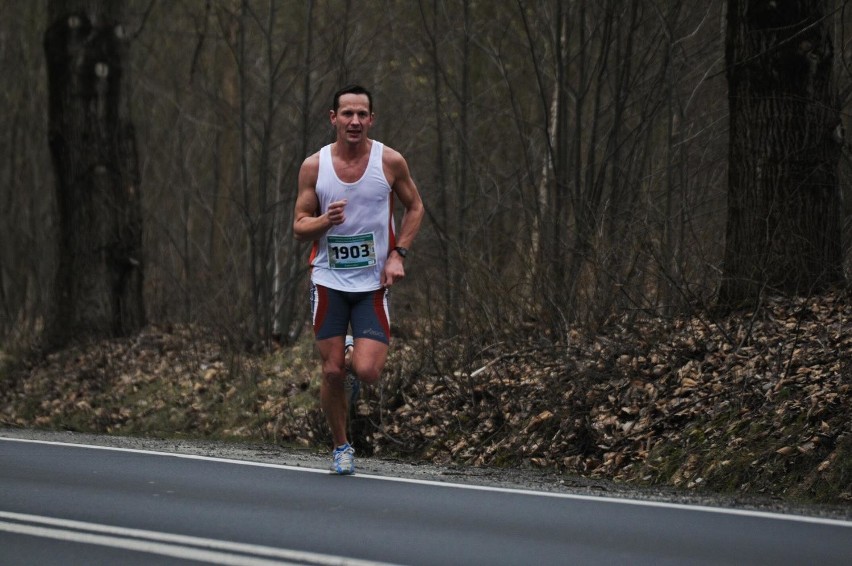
(76, 504)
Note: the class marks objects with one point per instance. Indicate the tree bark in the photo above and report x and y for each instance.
(98, 286)
(783, 232)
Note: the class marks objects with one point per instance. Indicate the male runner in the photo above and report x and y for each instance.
(345, 206)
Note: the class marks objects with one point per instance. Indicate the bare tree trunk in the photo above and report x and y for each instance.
(462, 178)
(443, 197)
(265, 228)
(222, 241)
(785, 139)
(290, 256)
(92, 142)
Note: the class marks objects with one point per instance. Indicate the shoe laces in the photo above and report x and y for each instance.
(344, 458)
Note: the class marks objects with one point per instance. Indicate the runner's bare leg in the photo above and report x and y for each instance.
(368, 359)
(332, 397)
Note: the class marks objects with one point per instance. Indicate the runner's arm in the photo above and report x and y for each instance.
(408, 195)
(309, 223)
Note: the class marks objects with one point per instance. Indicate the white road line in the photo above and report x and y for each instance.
(516, 491)
(209, 556)
(167, 544)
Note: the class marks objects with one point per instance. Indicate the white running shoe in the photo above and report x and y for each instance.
(343, 460)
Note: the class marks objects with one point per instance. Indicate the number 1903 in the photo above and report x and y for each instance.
(350, 252)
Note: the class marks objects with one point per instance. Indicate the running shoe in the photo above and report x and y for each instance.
(343, 460)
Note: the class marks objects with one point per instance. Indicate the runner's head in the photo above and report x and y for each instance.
(352, 89)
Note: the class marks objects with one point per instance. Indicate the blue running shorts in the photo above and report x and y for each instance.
(333, 311)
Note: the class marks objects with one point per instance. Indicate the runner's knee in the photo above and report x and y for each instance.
(368, 375)
(333, 373)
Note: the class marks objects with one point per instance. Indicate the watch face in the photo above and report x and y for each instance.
(401, 251)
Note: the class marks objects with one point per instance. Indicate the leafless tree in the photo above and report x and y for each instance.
(27, 236)
(784, 209)
(93, 144)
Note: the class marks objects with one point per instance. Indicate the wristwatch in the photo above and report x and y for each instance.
(401, 251)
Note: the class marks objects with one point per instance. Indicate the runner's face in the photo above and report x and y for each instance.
(353, 118)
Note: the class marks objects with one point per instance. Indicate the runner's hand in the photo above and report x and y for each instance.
(335, 212)
(393, 272)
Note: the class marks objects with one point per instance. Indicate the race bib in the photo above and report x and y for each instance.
(351, 252)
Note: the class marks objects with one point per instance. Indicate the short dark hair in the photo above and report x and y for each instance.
(351, 89)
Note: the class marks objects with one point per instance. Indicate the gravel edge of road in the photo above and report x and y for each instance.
(522, 479)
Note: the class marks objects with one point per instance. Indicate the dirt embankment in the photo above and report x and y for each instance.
(755, 403)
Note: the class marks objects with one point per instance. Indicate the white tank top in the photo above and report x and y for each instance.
(351, 256)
